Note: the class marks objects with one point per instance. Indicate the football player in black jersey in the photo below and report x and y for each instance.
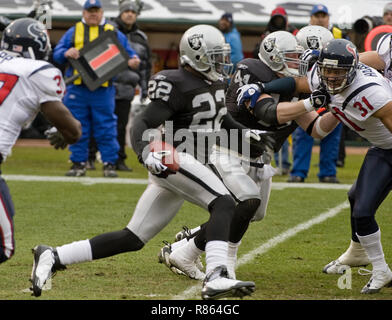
(278, 57)
(190, 103)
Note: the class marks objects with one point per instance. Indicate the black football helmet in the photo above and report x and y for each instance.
(337, 65)
(27, 37)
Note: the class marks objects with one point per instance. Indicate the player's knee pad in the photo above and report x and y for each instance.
(223, 205)
(245, 210)
(112, 243)
(222, 211)
(366, 225)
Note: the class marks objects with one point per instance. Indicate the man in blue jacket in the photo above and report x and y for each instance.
(232, 37)
(94, 109)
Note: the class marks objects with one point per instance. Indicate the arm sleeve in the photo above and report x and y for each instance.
(266, 111)
(64, 44)
(284, 86)
(153, 116)
(229, 123)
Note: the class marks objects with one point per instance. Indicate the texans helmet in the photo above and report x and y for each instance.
(337, 65)
(28, 38)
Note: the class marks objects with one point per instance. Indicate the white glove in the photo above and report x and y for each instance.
(154, 164)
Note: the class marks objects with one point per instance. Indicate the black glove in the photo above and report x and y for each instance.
(55, 138)
(319, 98)
(260, 139)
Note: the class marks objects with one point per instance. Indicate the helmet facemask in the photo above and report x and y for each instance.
(218, 63)
(291, 62)
(335, 78)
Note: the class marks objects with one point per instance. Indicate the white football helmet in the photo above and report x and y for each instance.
(205, 50)
(314, 37)
(280, 51)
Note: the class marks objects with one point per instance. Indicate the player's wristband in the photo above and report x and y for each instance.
(308, 105)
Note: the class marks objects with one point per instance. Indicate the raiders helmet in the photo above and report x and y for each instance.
(280, 51)
(337, 65)
(204, 49)
(28, 38)
(314, 37)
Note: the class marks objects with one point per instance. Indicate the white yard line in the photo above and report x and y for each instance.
(195, 290)
(90, 180)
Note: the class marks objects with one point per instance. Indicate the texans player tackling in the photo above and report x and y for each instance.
(191, 101)
(361, 98)
(28, 85)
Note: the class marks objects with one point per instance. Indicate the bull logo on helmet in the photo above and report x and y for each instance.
(195, 41)
(313, 42)
(38, 32)
(269, 44)
(352, 50)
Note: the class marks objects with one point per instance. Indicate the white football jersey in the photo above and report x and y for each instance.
(369, 92)
(24, 85)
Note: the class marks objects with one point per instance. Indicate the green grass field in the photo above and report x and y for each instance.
(56, 213)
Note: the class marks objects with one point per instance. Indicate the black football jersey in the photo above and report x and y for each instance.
(250, 71)
(198, 107)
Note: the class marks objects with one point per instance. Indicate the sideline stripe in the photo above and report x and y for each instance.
(90, 180)
(196, 289)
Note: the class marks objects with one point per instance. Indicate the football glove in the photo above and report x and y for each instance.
(319, 98)
(154, 164)
(250, 92)
(310, 57)
(260, 139)
(55, 138)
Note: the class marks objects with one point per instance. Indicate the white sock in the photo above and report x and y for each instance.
(232, 254)
(178, 244)
(216, 254)
(195, 229)
(372, 245)
(189, 251)
(75, 252)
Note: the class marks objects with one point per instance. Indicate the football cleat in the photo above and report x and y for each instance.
(217, 285)
(184, 233)
(163, 257)
(378, 280)
(46, 263)
(354, 256)
(188, 267)
(78, 169)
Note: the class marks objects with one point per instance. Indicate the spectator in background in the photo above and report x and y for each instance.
(126, 82)
(94, 109)
(302, 142)
(279, 22)
(387, 14)
(232, 37)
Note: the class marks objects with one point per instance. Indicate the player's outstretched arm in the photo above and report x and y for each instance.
(61, 118)
(372, 59)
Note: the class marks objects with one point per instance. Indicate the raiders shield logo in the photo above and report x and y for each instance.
(269, 45)
(195, 41)
(313, 42)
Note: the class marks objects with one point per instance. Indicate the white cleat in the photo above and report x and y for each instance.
(217, 285)
(163, 257)
(187, 266)
(378, 280)
(355, 256)
(42, 267)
